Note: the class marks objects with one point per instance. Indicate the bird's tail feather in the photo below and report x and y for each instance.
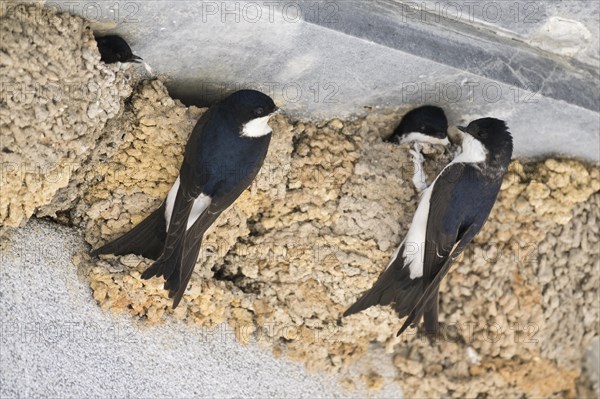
(177, 269)
(394, 287)
(188, 262)
(167, 267)
(430, 314)
(193, 243)
(161, 268)
(146, 239)
(432, 289)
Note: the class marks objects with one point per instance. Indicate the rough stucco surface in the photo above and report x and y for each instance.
(315, 230)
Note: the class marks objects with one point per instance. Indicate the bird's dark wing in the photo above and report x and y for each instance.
(443, 223)
(224, 187)
(394, 286)
(228, 165)
(432, 288)
(206, 170)
(194, 176)
(148, 238)
(166, 263)
(191, 185)
(460, 203)
(178, 281)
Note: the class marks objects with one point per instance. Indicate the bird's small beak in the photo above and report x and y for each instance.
(136, 59)
(462, 129)
(277, 111)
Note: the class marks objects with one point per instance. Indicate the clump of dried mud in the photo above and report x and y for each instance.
(56, 98)
(315, 230)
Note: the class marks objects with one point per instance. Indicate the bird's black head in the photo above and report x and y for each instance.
(428, 120)
(494, 135)
(114, 48)
(252, 110)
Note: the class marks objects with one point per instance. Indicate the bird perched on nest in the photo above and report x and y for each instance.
(222, 157)
(450, 213)
(114, 48)
(426, 124)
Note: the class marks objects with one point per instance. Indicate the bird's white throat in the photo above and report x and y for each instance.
(473, 151)
(424, 138)
(257, 127)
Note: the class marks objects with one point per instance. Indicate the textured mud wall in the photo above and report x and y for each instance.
(56, 98)
(315, 230)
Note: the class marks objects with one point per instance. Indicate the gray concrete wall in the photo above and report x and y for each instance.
(534, 64)
(55, 342)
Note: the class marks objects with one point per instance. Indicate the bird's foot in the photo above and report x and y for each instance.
(419, 177)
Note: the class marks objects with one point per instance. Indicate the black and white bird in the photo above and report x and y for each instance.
(450, 213)
(114, 48)
(222, 157)
(426, 124)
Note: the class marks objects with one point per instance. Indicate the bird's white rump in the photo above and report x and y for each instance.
(200, 205)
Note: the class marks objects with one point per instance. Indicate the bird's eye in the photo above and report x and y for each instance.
(259, 111)
(482, 134)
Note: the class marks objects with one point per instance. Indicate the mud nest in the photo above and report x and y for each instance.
(312, 233)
